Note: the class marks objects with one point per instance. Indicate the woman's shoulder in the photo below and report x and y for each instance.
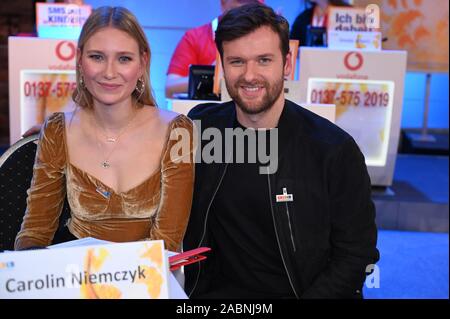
(54, 123)
(172, 119)
(55, 117)
(51, 139)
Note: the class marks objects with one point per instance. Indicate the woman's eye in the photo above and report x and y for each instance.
(124, 59)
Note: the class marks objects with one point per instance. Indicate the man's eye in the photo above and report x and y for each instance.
(96, 57)
(124, 59)
(264, 60)
(236, 62)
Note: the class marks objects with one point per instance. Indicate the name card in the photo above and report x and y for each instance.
(137, 270)
(350, 40)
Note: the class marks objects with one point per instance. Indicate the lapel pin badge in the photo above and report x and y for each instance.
(285, 197)
(103, 192)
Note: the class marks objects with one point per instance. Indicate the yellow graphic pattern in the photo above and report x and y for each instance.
(153, 280)
(153, 253)
(418, 26)
(94, 262)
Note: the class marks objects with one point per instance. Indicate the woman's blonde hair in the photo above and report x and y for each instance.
(122, 19)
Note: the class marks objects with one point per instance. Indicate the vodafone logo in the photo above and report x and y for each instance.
(353, 61)
(65, 50)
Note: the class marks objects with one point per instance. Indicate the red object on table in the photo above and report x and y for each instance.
(187, 258)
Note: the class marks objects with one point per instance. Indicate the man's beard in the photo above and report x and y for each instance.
(272, 93)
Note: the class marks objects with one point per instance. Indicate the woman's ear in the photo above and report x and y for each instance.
(78, 58)
(144, 62)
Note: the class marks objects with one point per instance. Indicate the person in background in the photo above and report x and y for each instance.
(76, 2)
(195, 47)
(112, 156)
(315, 16)
(303, 228)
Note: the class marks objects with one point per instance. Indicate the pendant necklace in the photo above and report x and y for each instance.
(106, 163)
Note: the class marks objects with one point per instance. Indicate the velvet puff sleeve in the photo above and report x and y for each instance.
(177, 181)
(47, 191)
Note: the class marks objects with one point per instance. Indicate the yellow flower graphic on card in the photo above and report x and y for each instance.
(93, 263)
(153, 280)
(154, 254)
(109, 275)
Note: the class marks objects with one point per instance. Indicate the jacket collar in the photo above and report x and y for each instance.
(288, 124)
(288, 127)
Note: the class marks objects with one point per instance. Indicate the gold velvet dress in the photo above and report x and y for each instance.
(158, 208)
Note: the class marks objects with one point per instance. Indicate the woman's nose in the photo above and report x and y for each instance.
(110, 72)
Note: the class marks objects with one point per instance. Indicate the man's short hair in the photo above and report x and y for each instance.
(242, 21)
(243, 2)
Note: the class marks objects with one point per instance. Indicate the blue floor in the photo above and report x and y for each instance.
(427, 174)
(413, 265)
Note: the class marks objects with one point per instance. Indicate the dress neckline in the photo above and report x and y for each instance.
(96, 179)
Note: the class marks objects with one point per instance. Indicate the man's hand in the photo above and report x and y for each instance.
(33, 130)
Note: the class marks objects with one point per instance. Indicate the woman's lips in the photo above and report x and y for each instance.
(109, 86)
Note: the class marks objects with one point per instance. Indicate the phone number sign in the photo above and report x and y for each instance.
(363, 107)
(367, 88)
(43, 92)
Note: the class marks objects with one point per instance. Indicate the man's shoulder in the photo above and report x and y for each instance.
(315, 126)
(208, 110)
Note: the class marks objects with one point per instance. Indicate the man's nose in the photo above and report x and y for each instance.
(250, 72)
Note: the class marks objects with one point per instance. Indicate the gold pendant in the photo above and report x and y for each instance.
(106, 164)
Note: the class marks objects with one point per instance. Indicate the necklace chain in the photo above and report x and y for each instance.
(112, 139)
(105, 163)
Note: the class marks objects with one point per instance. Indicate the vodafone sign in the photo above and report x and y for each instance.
(366, 86)
(353, 61)
(65, 50)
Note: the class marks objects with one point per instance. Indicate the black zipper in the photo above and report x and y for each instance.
(278, 239)
(290, 227)
(204, 225)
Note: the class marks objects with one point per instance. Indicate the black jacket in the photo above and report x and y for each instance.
(329, 236)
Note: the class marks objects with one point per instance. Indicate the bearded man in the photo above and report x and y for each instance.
(299, 223)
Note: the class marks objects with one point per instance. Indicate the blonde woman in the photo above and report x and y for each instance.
(112, 156)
